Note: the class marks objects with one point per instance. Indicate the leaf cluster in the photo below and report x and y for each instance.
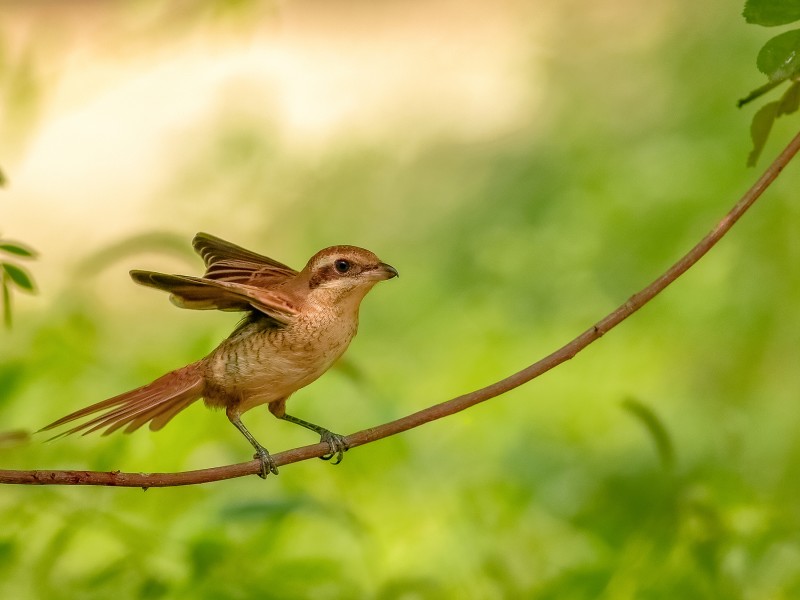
(12, 275)
(779, 60)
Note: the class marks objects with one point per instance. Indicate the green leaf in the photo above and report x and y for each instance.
(3, 179)
(19, 276)
(6, 300)
(790, 101)
(18, 249)
(779, 59)
(771, 12)
(760, 128)
(655, 428)
(765, 117)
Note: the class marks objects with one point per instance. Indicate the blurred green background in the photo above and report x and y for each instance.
(526, 166)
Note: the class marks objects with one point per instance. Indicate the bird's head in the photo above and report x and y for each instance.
(344, 273)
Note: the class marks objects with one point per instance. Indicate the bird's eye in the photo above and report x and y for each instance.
(342, 266)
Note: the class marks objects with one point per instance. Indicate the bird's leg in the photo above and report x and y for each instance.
(337, 443)
(267, 463)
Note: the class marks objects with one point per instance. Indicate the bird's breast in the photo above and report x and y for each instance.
(267, 364)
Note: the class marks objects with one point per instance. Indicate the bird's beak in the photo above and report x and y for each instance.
(383, 271)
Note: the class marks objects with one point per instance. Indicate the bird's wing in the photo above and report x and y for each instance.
(201, 294)
(231, 263)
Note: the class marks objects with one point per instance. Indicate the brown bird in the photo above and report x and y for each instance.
(297, 325)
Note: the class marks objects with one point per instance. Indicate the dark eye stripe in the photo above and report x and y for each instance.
(324, 274)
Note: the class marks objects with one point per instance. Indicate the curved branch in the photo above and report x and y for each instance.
(634, 303)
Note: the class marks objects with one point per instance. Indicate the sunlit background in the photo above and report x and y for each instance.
(526, 166)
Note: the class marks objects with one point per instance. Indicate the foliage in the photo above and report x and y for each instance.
(779, 60)
(12, 275)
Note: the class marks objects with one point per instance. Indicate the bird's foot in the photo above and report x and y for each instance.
(337, 444)
(267, 463)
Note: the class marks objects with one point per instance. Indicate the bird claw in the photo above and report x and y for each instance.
(267, 463)
(337, 444)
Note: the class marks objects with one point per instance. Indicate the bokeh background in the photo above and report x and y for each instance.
(526, 166)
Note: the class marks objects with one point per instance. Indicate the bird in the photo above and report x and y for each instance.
(296, 324)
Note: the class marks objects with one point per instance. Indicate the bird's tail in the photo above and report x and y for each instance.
(156, 402)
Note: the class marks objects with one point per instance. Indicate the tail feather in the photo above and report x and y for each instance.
(128, 415)
(136, 419)
(160, 420)
(156, 402)
(133, 406)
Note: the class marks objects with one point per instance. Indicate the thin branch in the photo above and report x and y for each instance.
(563, 354)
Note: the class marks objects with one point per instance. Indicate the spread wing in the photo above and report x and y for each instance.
(231, 263)
(202, 294)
